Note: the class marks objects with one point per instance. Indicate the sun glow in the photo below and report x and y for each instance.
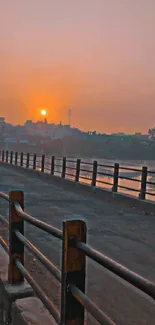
(43, 112)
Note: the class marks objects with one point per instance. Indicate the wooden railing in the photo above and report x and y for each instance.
(94, 174)
(72, 276)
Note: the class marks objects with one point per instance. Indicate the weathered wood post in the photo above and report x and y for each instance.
(73, 272)
(115, 179)
(94, 175)
(34, 161)
(77, 175)
(3, 156)
(21, 159)
(11, 157)
(16, 247)
(42, 163)
(16, 158)
(142, 193)
(27, 160)
(52, 165)
(63, 167)
(7, 156)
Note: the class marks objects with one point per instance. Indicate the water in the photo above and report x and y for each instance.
(106, 180)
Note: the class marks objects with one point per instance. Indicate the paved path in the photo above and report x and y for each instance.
(123, 234)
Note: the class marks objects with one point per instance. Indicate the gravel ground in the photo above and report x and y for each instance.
(121, 233)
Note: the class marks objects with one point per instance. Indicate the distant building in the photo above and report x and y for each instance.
(2, 120)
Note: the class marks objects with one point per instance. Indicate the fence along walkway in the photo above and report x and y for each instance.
(94, 173)
(73, 274)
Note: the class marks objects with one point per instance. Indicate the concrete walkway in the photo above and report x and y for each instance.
(123, 234)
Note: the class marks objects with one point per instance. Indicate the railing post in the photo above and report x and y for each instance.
(11, 157)
(16, 247)
(42, 163)
(143, 183)
(78, 163)
(34, 161)
(94, 175)
(115, 179)
(3, 156)
(16, 158)
(52, 165)
(73, 272)
(7, 156)
(27, 160)
(21, 159)
(63, 167)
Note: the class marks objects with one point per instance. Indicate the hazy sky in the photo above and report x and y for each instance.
(95, 56)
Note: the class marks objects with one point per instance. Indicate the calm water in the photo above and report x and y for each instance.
(104, 181)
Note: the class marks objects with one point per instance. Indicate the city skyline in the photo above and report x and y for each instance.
(97, 58)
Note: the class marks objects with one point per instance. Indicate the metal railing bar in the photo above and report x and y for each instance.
(151, 172)
(150, 183)
(102, 182)
(57, 171)
(105, 174)
(4, 221)
(40, 293)
(133, 278)
(42, 258)
(130, 169)
(4, 245)
(96, 312)
(107, 166)
(129, 179)
(4, 196)
(48, 169)
(38, 223)
(149, 193)
(86, 170)
(83, 177)
(86, 163)
(68, 167)
(128, 188)
(57, 165)
(70, 175)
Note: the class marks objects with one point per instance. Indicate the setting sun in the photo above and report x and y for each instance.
(43, 112)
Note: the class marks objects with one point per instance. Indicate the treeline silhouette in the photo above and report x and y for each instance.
(107, 147)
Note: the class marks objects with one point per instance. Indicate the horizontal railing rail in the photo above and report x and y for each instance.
(93, 173)
(72, 276)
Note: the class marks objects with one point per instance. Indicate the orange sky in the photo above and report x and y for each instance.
(96, 57)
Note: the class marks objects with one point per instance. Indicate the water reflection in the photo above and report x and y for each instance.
(105, 174)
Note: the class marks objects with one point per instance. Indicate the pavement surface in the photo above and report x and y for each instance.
(121, 233)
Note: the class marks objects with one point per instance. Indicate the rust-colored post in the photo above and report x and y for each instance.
(115, 179)
(27, 160)
(52, 165)
(34, 161)
(21, 159)
(63, 167)
(142, 193)
(42, 163)
(94, 175)
(77, 175)
(16, 247)
(7, 156)
(73, 272)
(11, 157)
(16, 158)
(3, 156)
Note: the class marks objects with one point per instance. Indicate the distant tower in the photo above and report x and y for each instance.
(69, 116)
